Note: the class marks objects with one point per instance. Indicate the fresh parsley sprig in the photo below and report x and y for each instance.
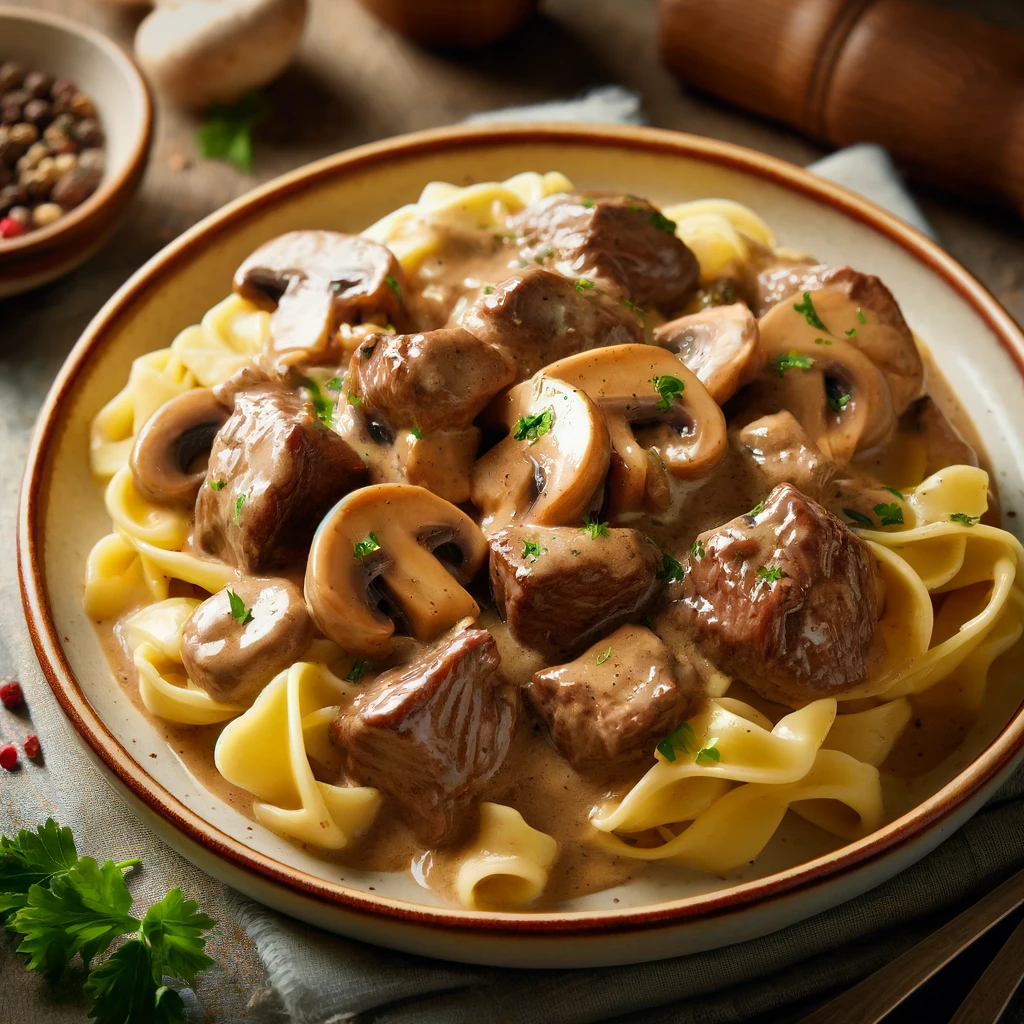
(670, 388)
(533, 427)
(594, 527)
(62, 905)
(227, 134)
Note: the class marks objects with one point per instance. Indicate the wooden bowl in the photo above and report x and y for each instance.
(660, 913)
(106, 73)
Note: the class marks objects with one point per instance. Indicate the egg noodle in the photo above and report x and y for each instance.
(952, 605)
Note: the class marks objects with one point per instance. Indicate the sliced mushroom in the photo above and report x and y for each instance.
(233, 652)
(167, 461)
(719, 345)
(315, 281)
(681, 422)
(839, 396)
(550, 468)
(392, 551)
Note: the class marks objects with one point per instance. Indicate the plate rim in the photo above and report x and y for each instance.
(115, 757)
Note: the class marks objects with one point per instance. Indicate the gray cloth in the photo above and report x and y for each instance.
(317, 978)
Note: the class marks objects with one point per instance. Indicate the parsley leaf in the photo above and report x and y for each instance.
(174, 930)
(227, 134)
(125, 991)
(896, 493)
(489, 289)
(587, 202)
(33, 858)
(356, 673)
(836, 395)
(859, 518)
(532, 550)
(354, 399)
(709, 754)
(634, 308)
(395, 287)
(670, 388)
(366, 546)
(662, 223)
(323, 407)
(239, 502)
(682, 739)
(697, 549)
(672, 570)
(582, 284)
(809, 313)
(791, 361)
(769, 573)
(757, 509)
(822, 341)
(890, 514)
(416, 432)
(603, 656)
(533, 428)
(336, 384)
(964, 518)
(861, 317)
(594, 528)
(239, 612)
(217, 485)
(851, 332)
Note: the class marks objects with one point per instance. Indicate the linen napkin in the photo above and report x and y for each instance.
(307, 976)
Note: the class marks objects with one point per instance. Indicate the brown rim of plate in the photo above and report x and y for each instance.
(29, 254)
(997, 757)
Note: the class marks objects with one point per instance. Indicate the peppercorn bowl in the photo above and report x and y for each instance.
(115, 120)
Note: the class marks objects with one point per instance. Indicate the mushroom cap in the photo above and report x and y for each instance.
(416, 532)
(554, 478)
(838, 367)
(198, 53)
(316, 280)
(179, 432)
(689, 435)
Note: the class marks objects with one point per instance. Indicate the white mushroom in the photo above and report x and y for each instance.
(201, 52)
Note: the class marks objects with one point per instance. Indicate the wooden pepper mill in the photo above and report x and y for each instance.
(944, 92)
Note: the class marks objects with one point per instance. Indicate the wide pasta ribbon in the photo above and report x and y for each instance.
(231, 334)
(266, 752)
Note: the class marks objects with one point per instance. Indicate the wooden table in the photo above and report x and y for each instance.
(354, 82)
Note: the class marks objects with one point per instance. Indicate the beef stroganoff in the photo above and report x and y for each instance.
(534, 534)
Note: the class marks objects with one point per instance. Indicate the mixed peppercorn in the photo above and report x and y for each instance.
(51, 149)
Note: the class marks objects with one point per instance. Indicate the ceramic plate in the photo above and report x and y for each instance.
(665, 912)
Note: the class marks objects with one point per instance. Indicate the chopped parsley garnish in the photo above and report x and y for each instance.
(354, 399)
(851, 332)
(533, 428)
(603, 656)
(697, 549)
(963, 517)
(366, 546)
(358, 667)
(488, 289)
(582, 284)
(336, 384)
(587, 202)
(710, 754)
(532, 550)
(239, 612)
(634, 308)
(791, 361)
(669, 388)
(895, 492)
(416, 432)
(859, 518)
(672, 570)
(861, 317)
(323, 407)
(574, 551)
(836, 395)
(395, 287)
(682, 739)
(217, 485)
(662, 223)
(594, 528)
(757, 509)
(822, 341)
(227, 135)
(769, 573)
(239, 502)
(889, 514)
(809, 313)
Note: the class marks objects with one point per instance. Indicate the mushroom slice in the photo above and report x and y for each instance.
(719, 345)
(838, 395)
(171, 443)
(643, 386)
(315, 281)
(392, 549)
(550, 468)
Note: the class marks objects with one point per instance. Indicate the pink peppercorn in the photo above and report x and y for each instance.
(31, 746)
(11, 228)
(11, 695)
(8, 756)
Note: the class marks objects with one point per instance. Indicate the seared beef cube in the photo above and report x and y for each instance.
(538, 316)
(559, 589)
(782, 452)
(274, 472)
(616, 701)
(434, 381)
(784, 599)
(622, 239)
(431, 734)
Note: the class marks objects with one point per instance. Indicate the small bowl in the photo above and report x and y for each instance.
(107, 74)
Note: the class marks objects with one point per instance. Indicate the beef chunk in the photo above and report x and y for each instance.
(622, 239)
(538, 316)
(782, 452)
(614, 703)
(558, 589)
(434, 381)
(807, 633)
(431, 734)
(282, 469)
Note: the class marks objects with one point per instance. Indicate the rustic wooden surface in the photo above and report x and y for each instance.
(355, 81)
